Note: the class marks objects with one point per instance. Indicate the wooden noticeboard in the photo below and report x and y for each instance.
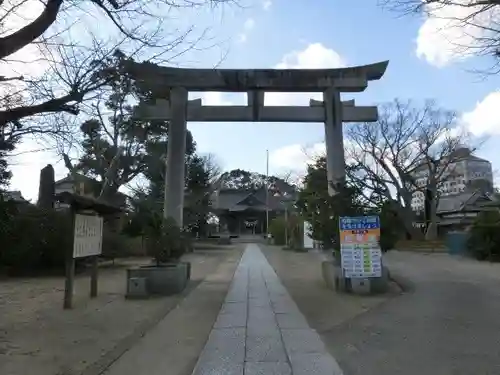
(86, 215)
(87, 239)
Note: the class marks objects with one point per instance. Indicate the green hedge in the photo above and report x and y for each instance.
(277, 229)
(32, 239)
(35, 241)
(484, 237)
(295, 231)
(165, 241)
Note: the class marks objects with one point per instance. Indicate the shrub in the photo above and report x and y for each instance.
(135, 225)
(484, 237)
(293, 227)
(295, 232)
(33, 239)
(187, 241)
(165, 240)
(114, 244)
(277, 229)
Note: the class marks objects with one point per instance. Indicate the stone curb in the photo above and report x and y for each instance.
(102, 364)
(406, 285)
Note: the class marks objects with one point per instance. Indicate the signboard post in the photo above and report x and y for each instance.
(308, 241)
(87, 242)
(361, 256)
(86, 215)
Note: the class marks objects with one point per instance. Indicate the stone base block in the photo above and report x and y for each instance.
(224, 239)
(136, 288)
(328, 272)
(360, 286)
(332, 275)
(165, 279)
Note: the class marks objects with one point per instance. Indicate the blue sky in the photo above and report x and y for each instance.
(326, 33)
(360, 35)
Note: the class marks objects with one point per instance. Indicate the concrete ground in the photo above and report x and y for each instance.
(300, 273)
(448, 323)
(259, 328)
(38, 336)
(174, 345)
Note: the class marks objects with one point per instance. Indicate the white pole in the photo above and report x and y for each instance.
(286, 224)
(267, 194)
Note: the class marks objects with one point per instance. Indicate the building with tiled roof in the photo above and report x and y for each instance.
(245, 211)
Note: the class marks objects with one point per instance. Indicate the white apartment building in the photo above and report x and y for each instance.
(466, 167)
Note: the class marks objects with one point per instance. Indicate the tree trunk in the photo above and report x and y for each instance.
(431, 233)
(14, 42)
(407, 216)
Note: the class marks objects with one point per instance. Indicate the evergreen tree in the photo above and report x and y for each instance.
(322, 210)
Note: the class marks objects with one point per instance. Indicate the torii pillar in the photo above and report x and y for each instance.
(334, 138)
(334, 141)
(176, 155)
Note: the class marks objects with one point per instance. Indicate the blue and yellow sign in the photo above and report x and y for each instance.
(359, 246)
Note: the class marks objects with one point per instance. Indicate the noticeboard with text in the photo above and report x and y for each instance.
(361, 256)
(88, 236)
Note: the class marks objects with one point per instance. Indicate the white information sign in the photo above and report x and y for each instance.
(88, 236)
(360, 261)
(308, 241)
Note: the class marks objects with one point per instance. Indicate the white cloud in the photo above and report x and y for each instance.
(266, 4)
(295, 157)
(442, 38)
(26, 165)
(314, 56)
(247, 27)
(484, 119)
(214, 98)
(249, 24)
(242, 38)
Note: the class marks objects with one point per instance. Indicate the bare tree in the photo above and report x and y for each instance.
(213, 168)
(475, 23)
(135, 26)
(409, 150)
(52, 54)
(291, 177)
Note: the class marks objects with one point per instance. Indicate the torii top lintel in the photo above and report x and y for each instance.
(159, 79)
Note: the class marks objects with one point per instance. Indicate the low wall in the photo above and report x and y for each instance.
(422, 246)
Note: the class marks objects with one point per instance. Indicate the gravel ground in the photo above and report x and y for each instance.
(38, 336)
(300, 273)
(175, 343)
(447, 324)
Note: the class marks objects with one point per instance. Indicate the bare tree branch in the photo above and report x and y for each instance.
(477, 23)
(408, 151)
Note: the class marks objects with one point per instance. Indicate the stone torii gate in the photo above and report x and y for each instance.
(174, 84)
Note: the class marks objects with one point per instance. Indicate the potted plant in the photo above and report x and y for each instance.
(166, 244)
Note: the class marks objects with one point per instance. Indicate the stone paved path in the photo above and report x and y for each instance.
(260, 330)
